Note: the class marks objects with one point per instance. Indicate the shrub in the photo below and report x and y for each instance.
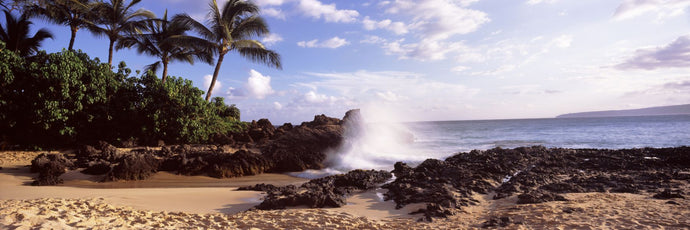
(66, 98)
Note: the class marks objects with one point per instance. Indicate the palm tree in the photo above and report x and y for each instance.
(73, 13)
(15, 34)
(116, 18)
(232, 29)
(166, 41)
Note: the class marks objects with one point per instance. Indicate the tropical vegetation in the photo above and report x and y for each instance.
(16, 34)
(116, 17)
(67, 98)
(232, 28)
(165, 40)
(76, 14)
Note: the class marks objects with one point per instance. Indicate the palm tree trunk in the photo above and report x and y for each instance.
(165, 71)
(215, 76)
(110, 53)
(71, 39)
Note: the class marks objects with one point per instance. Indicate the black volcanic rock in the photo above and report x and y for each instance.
(535, 174)
(98, 167)
(258, 187)
(323, 192)
(134, 167)
(305, 146)
(49, 168)
(669, 194)
(538, 196)
(219, 165)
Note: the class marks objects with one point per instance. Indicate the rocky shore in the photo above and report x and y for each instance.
(438, 188)
(262, 148)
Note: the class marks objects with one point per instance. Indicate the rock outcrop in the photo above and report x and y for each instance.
(49, 168)
(284, 149)
(133, 166)
(535, 175)
(318, 193)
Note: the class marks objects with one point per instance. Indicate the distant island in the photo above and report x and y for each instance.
(651, 111)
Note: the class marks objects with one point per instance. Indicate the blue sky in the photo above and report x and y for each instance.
(411, 60)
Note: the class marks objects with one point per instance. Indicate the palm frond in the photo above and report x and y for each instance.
(249, 27)
(236, 9)
(195, 26)
(153, 67)
(260, 55)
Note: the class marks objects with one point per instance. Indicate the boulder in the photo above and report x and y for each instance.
(98, 167)
(329, 191)
(220, 165)
(305, 146)
(49, 168)
(669, 194)
(539, 196)
(133, 166)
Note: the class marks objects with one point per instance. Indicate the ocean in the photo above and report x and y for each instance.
(379, 146)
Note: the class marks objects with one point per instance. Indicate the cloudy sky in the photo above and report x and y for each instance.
(411, 60)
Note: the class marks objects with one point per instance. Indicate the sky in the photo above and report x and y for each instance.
(424, 60)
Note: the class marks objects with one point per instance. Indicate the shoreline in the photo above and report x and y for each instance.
(156, 204)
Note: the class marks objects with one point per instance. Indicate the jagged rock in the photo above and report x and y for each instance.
(128, 143)
(258, 187)
(104, 151)
(536, 173)
(570, 210)
(49, 168)
(669, 194)
(286, 127)
(321, 120)
(323, 192)
(305, 146)
(97, 168)
(502, 222)
(535, 197)
(133, 167)
(222, 165)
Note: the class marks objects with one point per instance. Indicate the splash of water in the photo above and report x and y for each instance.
(374, 146)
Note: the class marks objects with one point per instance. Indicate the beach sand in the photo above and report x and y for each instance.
(169, 201)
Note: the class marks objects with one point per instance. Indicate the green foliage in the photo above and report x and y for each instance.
(66, 98)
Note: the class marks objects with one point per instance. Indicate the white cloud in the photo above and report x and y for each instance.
(534, 2)
(408, 88)
(434, 22)
(662, 8)
(315, 98)
(277, 105)
(273, 12)
(395, 27)
(207, 83)
(328, 12)
(258, 85)
(389, 96)
(440, 19)
(424, 50)
(562, 41)
(332, 43)
(271, 39)
(372, 39)
(497, 71)
(269, 2)
(676, 54)
(460, 68)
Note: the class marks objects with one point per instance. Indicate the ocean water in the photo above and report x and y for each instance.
(607, 132)
(379, 146)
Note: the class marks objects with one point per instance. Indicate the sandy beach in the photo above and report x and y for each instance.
(169, 201)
